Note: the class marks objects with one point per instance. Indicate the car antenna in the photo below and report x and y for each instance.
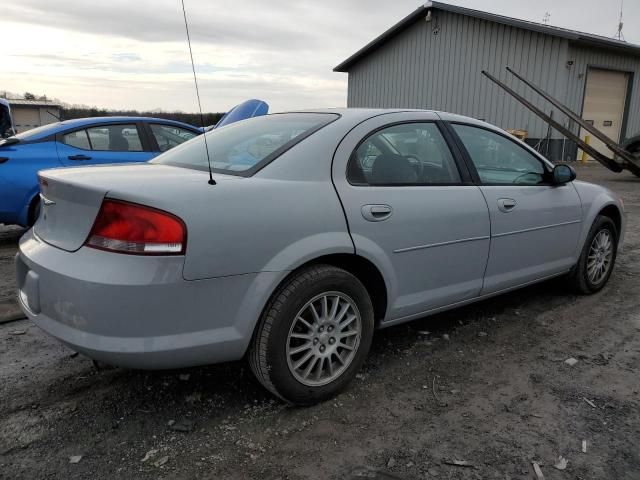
(195, 80)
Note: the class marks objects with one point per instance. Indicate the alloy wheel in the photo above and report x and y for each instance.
(600, 255)
(323, 339)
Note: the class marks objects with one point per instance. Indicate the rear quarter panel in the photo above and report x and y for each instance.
(262, 225)
(285, 215)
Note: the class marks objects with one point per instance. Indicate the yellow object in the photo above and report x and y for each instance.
(585, 157)
(519, 134)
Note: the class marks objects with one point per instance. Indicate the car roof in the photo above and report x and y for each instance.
(80, 122)
(356, 115)
(361, 114)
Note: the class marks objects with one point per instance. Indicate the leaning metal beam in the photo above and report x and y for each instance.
(604, 160)
(610, 143)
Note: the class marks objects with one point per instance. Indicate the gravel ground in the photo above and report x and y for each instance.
(8, 239)
(488, 385)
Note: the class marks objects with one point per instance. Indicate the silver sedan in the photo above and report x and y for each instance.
(319, 227)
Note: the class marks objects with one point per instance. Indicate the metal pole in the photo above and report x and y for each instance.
(606, 161)
(611, 145)
(548, 139)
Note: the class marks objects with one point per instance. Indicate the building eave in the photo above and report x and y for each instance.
(582, 38)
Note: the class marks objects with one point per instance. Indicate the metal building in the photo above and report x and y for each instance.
(433, 59)
(28, 114)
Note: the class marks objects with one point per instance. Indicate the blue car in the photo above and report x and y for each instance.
(87, 141)
(77, 142)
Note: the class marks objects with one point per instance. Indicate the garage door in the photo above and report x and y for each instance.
(604, 101)
(25, 118)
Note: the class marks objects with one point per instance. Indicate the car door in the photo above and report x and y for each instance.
(413, 211)
(107, 143)
(534, 225)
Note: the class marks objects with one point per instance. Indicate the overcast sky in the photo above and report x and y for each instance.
(133, 54)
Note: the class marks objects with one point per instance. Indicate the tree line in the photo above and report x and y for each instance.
(69, 112)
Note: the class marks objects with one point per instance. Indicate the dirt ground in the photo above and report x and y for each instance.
(488, 385)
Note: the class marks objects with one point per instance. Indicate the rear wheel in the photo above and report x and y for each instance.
(313, 336)
(598, 256)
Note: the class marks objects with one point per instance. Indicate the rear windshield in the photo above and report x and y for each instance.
(244, 147)
(38, 131)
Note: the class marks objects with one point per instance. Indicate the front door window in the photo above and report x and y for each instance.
(499, 160)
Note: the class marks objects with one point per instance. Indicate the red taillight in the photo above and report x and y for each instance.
(130, 228)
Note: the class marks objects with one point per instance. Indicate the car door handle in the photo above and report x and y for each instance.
(376, 213)
(78, 157)
(506, 204)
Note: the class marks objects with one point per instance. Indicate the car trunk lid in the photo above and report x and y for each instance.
(71, 197)
(67, 211)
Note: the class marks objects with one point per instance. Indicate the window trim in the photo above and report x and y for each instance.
(472, 167)
(59, 137)
(463, 172)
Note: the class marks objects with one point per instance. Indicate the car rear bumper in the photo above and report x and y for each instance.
(138, 311)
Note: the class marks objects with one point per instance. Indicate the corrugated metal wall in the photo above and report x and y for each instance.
(588, 57)
(421, 69)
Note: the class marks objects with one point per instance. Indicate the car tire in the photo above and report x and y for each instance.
(336, 339)
(597, 259)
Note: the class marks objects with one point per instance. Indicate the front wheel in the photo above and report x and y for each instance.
(313, 336)
(597, 258)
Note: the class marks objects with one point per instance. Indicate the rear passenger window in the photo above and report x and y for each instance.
(77, 139)
(407, 154)
(115, 138)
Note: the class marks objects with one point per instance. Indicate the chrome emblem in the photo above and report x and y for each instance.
(46, 201)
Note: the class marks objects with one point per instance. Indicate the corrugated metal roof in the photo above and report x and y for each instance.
(583, 38)
(32, 103)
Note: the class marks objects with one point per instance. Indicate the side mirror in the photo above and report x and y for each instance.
(563, 174)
